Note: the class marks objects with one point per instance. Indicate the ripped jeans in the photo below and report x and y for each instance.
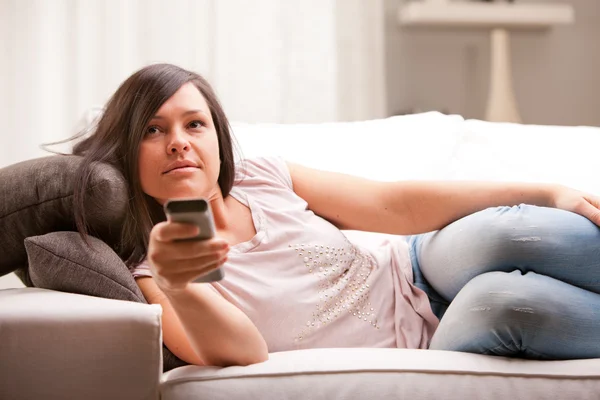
(519, 281)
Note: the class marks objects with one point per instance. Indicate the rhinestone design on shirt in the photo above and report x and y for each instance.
(343, 285)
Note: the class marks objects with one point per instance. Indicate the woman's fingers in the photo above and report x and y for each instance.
(180, 278)
(192, 264)
(175, 262)
(590, 208)
(168, 242)
(192, 249)
(195, 272)
(593, 200)
(584, 204)
(168, 231)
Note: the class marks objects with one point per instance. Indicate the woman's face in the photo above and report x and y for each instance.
(179, 154)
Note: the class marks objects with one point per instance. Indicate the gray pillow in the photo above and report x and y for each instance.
(37, 198)
(62, 261)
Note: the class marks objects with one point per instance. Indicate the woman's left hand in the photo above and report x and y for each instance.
(578, 202)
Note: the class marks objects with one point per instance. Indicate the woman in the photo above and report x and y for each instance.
(504, 278)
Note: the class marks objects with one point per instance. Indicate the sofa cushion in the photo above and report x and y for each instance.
(348, 374)
(37, 198)
(62, 261)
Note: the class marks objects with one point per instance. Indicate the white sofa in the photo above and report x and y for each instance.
(57, 345)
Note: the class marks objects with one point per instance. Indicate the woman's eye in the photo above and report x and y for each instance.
(196, 124)
(152, 130)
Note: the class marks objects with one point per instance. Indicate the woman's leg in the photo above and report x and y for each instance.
(548, 241)
(526, 315)
(544, 302)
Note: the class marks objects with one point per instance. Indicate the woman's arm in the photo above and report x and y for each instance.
(202, 328)
(411, 207)
(196, 317)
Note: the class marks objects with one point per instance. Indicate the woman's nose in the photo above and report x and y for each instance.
(178, 144)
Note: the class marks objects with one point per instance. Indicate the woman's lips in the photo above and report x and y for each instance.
(182, 170)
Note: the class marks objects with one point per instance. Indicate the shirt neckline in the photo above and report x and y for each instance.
(257, 218)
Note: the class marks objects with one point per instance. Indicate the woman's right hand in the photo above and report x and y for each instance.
(174, 264)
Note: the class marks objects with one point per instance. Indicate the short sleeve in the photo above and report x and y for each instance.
(272, 170)
(141, 270)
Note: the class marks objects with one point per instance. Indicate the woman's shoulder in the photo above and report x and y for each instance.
(270, 170)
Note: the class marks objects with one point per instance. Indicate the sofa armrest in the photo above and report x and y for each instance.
(56, 345)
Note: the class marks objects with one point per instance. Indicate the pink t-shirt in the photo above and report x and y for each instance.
(306, 284)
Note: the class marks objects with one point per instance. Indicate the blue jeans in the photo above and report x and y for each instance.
(513, 281)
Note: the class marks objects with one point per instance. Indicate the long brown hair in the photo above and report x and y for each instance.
(116, 141)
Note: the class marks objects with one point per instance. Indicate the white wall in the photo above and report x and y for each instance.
(555, 72)
(269, 60)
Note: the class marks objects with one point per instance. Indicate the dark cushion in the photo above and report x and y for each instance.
(62, 261)
(37, 198)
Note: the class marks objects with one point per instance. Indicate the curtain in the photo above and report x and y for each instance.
(269, 60)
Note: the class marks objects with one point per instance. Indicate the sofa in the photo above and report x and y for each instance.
(60, 343)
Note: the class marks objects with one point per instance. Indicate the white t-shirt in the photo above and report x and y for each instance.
(306, 284)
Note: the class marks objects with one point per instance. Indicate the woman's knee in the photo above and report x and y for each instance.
(493, 234)
(495, 309)
(524, 237)
(503, 296)
(509, 228)
(531, 225)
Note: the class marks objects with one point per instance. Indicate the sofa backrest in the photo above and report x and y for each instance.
(434, 146)
(418, 146)
(529, 153)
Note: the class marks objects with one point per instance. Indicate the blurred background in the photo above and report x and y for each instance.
(281, 61)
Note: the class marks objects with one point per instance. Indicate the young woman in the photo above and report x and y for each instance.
(494, 268)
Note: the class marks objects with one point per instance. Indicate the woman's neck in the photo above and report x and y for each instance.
(221, 211)
(233, 220)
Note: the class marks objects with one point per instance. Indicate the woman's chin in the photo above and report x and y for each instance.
(180, 190)
(184, 193)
